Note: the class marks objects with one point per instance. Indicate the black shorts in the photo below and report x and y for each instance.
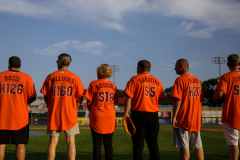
(16, 136)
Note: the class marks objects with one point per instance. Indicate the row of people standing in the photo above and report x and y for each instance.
(62, 88)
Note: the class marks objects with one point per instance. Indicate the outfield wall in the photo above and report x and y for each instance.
(165, 117)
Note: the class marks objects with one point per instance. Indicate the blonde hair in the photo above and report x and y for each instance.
(104, 71)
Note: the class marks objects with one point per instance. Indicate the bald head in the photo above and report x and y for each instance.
(181, 66)
(183, 62)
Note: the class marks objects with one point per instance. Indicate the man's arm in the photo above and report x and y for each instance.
(79, 101)
(46, 99)
(217, 95)
(30, 100)
(176, 106)
(89, 104)
(127, 104)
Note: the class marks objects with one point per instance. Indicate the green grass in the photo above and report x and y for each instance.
(214, 145)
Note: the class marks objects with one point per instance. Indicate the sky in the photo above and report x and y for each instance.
(121, 33)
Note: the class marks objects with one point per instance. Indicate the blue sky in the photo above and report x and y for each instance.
(119, 33)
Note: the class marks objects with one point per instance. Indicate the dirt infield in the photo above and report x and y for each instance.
(207, 129)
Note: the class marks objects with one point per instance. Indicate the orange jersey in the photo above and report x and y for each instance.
(187, 88)
(62, 88)
(103, 94)
(15, 88)
(145, 90)
(229, 83)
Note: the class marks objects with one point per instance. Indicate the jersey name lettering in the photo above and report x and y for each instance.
(194, 91)
(12, 78)
(193, 80)
(148, 79)
(11, 88)
(237, 78)
(62, 78)
(104, 85)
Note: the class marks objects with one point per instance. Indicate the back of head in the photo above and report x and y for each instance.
(145, 65)
(65, 59)
(233, 60)
(104, 71)
(14, 62)
(184, 62)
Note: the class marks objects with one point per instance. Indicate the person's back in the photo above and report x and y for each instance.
(227, 92)
(187, 110)
(61, 88)
(230, 85)
(17, 90)
(188, 90)
(63, 93)
(146, 91)
(143, 92)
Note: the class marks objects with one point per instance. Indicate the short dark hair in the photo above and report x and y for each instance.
(145, 65)
(65, 59)
(183, 61)
(14, 62)
(233, 60)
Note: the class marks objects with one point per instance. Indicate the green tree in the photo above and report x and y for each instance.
(168, 91)
(208, 88)
(120, 94)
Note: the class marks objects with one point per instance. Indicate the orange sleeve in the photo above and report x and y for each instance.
(130, 89)
(89, 93)
(222, 84)
(176, 90)
(31, 91)
(79, 88)
(45, 88)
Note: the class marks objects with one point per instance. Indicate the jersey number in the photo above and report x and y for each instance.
(12, 88)
(105, 97)
(236, 90)
(62, 91)
(149, 91)
(194, 91)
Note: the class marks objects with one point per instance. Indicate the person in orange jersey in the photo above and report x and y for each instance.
(227, 91)
(17, 90)
(187, 111)
(142, 93)
(101, 96)
(61, 89)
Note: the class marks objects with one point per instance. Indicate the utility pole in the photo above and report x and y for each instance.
(114, 69)
(219, 60)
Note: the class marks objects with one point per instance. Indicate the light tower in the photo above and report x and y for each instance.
(219, 60)
(114, 69)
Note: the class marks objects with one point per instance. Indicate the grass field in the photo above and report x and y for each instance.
(213, 143)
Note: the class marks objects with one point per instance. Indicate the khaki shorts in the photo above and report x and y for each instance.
(232, 135)
(186, 139)
(72, 131)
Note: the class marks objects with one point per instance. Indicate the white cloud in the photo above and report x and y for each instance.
(167, 65)
(93, 47)
(218, 14)
(186, 29)
(194, 65)
(117, 54)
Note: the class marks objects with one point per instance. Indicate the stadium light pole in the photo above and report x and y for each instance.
(219, 60)
(115, 68)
